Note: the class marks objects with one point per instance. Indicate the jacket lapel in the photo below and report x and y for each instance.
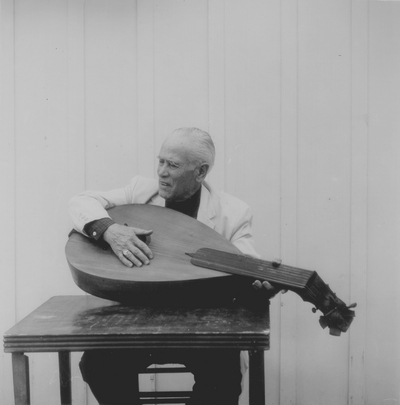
(206, 209)
(156, 200)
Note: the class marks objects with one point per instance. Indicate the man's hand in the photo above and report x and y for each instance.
(269, 290)
(127, 246)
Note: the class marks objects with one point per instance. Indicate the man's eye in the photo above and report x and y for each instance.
(171, 165)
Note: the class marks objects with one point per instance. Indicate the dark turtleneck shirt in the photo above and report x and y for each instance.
(189, 207)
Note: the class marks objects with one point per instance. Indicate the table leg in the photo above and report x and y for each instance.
(20, 366)
(64, 362)
(256, 377)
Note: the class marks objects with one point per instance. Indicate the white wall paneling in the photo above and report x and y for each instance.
(323, 185)
(383, 202)
(145, 88)
(7, 180)
(216, 86)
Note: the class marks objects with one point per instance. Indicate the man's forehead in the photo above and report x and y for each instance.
(177, 141)
(170, 158)
(176, 150)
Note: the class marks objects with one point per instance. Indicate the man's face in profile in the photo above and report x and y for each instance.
(177, 171)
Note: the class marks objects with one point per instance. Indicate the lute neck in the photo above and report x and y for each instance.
(306, 283)
(287, 276)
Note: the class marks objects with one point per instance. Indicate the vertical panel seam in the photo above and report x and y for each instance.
(289, 122)
(224, 90)
(280, 129)
(297, 128)
(15, 163)
(154, 77)
(297, 149)
(209, 36)
(365, 236)
(350, 186)
(137, 78)
(280, 189)
(85, 160)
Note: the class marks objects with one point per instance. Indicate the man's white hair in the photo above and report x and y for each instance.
(203, 145)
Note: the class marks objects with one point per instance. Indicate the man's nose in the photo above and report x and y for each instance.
(162, 170)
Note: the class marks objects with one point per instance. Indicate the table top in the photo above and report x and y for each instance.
(77, 323)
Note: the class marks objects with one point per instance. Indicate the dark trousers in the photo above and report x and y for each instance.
(112, 374)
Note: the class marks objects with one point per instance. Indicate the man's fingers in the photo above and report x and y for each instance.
(258, 285)
(128, 258)
(144, 251)
(132, 255)
(144, 236)
(133, 260)
(144, 232)
(267, 285)
(270, 289)
(136, 256)
(123, 259)
(127, 246)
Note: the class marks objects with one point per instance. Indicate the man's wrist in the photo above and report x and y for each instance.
(96, 229)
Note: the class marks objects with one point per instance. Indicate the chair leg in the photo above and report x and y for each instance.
(256, 377)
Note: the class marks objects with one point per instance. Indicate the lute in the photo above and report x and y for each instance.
(193, 265)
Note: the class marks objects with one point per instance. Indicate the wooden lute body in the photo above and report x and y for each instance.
(192, 266)
(170, 278)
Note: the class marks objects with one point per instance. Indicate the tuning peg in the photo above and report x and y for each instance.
(334, 331)
(276, 263)
(323, 322)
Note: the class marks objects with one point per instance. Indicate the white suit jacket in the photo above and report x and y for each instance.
(222, 212)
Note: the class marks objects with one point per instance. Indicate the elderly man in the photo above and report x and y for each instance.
(185, 159)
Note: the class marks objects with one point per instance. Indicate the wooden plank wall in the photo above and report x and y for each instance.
(302, 99)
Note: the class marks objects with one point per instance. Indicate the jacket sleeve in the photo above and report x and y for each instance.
(92, 205)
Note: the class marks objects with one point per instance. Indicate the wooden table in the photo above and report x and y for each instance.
(66, 324)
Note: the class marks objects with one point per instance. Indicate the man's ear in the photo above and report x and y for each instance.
(202, 172)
